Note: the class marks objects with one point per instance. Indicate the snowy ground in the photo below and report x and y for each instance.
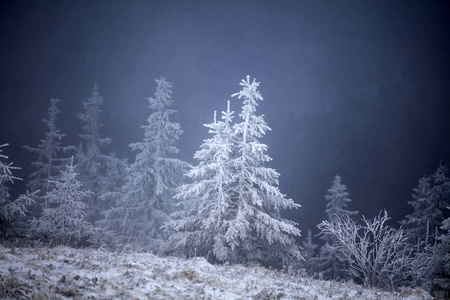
(66, 273)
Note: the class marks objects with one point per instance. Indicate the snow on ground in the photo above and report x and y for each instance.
(67, 273)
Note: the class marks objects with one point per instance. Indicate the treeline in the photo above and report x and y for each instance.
(376, 254)
(227, 208)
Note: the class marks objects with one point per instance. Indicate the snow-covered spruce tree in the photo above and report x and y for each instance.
(257, 232)
(376, 251)
(338, 199)
(51, 160)
(146, 199)
(10, 209)
(199, 228)
(430, 198)
(91, 162)
(65, 221)
(331, 264)
(415, 224)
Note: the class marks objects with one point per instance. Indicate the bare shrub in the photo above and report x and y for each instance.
(376, 251)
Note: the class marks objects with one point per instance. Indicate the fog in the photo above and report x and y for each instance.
(355, 88)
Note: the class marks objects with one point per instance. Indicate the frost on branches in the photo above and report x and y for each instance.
(146, 200)
(91, 162)
(332, 264)
(257, 232)
(428, 232)
(338, 199)
(431, 265)
(10, 209)
(376, 251)
(236, 197)
(207, 205)
(64, 221)
(50, 161)
(430, 198)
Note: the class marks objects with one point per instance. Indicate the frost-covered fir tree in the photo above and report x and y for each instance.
(331, 264)
(10, 209)
(50, 151)
(91, 162)
(430, 198)
(146, 199)
(200, 227)
(338, 199)
(257, 232)
(65, 222)
(415, 224)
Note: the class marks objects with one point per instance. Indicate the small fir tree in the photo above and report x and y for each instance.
(338, 199)
(51, 160)
(65, 221)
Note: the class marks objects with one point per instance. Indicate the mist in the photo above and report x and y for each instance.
(358, 89)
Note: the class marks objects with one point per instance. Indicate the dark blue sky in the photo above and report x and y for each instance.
(355, 88)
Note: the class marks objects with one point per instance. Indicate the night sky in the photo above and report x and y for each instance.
(355, 88)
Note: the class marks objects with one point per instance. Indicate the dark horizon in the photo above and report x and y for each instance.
(359, 89)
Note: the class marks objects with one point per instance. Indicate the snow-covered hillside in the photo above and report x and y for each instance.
(67, 273)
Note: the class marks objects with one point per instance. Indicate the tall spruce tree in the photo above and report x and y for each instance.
(51, 159)
(146, 199)
(92, 163)
(199, 228)
(257, 232)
